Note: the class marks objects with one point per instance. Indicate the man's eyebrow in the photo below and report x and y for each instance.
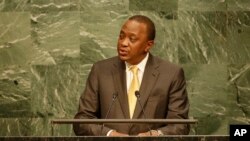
(129, 33)
(122, 30)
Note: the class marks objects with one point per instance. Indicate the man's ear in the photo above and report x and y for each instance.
(150, 44)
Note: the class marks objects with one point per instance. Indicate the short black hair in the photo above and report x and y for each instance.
(149, 23)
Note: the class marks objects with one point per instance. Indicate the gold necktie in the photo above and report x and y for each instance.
(134, 86)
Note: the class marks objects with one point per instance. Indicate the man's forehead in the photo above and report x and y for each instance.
(133, 26)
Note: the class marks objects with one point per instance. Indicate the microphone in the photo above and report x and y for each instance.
(137, 94)
(115, 94)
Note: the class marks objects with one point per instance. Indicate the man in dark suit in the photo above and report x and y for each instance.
(161, 85)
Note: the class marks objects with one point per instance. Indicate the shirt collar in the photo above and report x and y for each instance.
(141, 65)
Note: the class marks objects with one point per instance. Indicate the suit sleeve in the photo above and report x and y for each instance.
(89, 107)
(178, 105)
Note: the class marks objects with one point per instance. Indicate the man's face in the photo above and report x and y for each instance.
(133, 43)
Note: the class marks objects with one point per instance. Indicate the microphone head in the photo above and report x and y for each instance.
(115, 95)
(137, 93)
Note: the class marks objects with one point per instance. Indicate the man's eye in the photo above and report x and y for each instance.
(121, 36)
(132, 39)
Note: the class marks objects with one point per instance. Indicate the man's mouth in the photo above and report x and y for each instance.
(123, 52)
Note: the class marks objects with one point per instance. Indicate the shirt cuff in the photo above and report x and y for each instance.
(109, 132)
(160, 133)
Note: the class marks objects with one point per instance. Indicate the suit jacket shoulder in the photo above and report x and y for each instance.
(166, 63)
(166, 67)
(107, 62)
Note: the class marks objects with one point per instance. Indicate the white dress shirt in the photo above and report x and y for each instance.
(141, 67)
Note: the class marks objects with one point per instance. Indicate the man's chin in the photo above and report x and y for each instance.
(123, 58)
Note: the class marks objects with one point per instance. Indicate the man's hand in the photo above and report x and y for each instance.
(149, 133)
(117, 134)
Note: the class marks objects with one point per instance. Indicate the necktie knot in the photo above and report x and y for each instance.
(134, 69)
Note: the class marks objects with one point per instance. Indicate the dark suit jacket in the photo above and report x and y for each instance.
(163, 95)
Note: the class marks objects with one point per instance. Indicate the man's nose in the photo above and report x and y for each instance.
(125, 42)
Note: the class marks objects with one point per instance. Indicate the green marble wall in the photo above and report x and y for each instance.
(47, 48)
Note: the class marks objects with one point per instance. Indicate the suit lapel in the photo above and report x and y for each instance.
(119, 78)
(148, 81)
